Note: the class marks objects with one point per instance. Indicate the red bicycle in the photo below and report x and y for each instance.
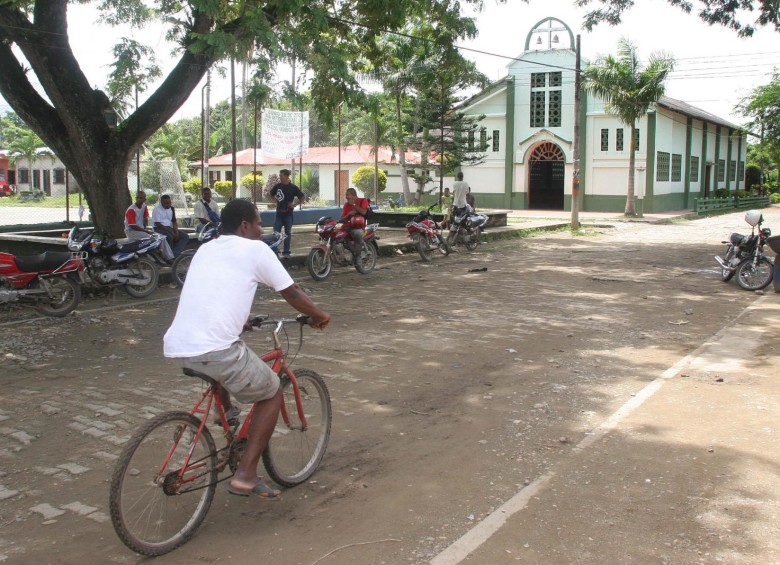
(165, 479)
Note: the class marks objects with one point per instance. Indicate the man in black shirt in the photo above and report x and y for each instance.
(286, 193)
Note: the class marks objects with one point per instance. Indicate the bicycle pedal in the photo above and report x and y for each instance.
(233, 422)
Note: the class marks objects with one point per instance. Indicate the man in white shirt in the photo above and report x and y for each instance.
(164, 221)
(205, 333)
(460, 188)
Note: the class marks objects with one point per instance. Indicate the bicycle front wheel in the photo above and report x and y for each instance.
(294, 453)
(155, 507)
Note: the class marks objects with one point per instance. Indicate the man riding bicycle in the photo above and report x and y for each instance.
(205, 332)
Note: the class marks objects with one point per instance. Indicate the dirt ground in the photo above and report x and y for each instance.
(600, 398)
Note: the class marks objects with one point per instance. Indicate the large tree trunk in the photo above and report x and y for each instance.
(73, 121)
(630, 201)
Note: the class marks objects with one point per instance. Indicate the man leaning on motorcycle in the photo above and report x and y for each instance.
(353, 217)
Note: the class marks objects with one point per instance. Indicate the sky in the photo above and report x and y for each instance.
(715, 68)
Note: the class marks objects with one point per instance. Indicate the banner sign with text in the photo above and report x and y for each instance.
(285, 134)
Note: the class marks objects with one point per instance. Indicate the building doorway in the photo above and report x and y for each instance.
(546, 177)
(707, 180)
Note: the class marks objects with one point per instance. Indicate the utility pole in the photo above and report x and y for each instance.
(233, 122)
(137, 153)
(575, 181)
(205, 116)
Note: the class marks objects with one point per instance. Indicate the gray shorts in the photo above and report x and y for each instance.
(248, 378)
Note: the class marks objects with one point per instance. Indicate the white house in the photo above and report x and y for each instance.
(328, 162)
(46, 173)
(528, 136)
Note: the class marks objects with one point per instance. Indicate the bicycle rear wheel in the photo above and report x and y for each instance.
(294, 453)
(153, 509)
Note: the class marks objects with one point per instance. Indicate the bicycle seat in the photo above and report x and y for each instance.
(193, 373)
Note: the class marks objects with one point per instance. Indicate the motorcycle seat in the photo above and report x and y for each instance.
(129, 245)
(48, 261)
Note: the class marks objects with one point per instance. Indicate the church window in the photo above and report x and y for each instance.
(605, 139)
(495, 141)
(694, 169)
(483, 139)
(636, 140)
(732, 170)
(619, 139)
(546, 100)
(721, 170)
(676, 168)
(537, 109)
(555, 79)
(741, 171)
(538, 80)
(470, 143)
(662, 167)
(555, 108)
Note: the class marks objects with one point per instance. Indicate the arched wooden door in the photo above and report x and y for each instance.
(546, 177)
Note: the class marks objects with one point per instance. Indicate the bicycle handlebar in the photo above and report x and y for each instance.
(264, 320)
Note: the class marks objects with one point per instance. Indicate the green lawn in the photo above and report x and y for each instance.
(47, 202)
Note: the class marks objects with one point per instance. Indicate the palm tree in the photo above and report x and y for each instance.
(628, 90)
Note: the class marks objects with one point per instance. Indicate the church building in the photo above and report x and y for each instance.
(527, 134)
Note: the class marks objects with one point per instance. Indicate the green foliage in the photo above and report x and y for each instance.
(193, 186)
(308, 181)
(762, 107)
(254, 183)
(741, 194)
(224, 188)
(774, 198)
(129, 72)
(723, 193)
(363, 179)
(150, 176)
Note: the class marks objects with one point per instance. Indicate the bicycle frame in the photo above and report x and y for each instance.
(210, 397)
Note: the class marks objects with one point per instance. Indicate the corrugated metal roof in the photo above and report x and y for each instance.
(693, 112)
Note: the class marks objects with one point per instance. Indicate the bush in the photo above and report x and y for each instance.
(151, 197)
(774, 198)
(363, 179)
(254, 184)
(193, 186)
(224, 188)
(273, 180)
(723, 193)
(741, 193)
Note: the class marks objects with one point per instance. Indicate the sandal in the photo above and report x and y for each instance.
(261, 490)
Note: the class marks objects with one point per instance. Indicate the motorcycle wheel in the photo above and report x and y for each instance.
(66, 295)
(451, 237)
(180, 267)
(148, 270)
(473, 240)
(727, 274)
(444, 247)
(319, 264)
(756, 277)
(366, 262)
(424, 247)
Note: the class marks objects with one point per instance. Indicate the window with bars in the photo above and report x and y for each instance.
(538, 80)
(619, 139)
(732, 170)
(662, 167)
(676, 168)
(470, 141)
(721, 170)
(495, 141)
(556, 79)
(605, 139)
(554, 118)
(24, 176)
(538, 103)
(741, 171)
(694, 176)
(636, 140)
(482, 139)
(59, 176)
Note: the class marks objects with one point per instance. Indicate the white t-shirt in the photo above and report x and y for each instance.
(217, 297)
(459, 189)
(162, 216)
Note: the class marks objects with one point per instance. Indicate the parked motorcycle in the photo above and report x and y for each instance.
(110, 262)
(181, 265)
(427, 234)
(334, 248)
(745, 256)
(466, 228)
(47, 282)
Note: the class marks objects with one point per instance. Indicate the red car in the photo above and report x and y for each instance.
(5, 188)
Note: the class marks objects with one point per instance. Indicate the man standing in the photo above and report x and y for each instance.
(205, 333)
(286, 193)
(206, 210)
(460, 188)
(164, 220)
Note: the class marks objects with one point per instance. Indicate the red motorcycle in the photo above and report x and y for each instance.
(426, 233)
(47, 282)
(336, 247)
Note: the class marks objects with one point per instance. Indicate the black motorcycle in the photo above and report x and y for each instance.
(110, 262)
(745, 256)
